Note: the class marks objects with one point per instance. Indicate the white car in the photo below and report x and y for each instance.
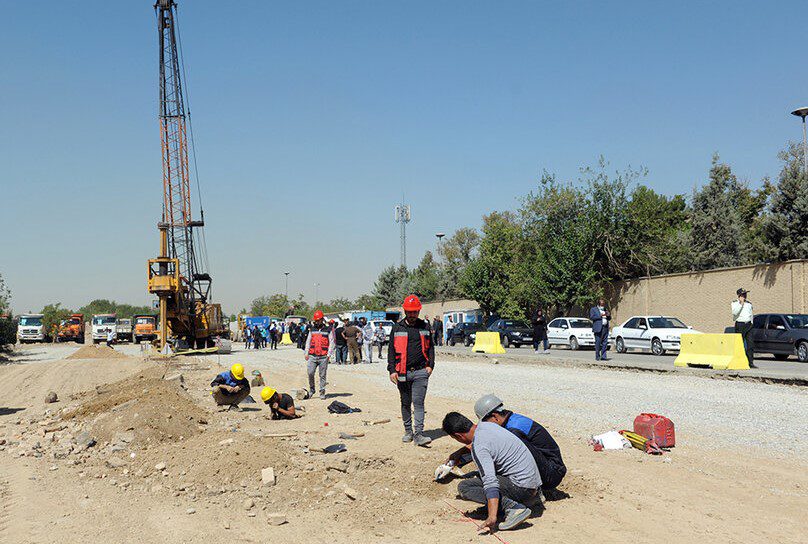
(656, 333)
(572, 332)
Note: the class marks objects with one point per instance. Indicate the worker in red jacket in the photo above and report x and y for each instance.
(410, 360)
(319, 349)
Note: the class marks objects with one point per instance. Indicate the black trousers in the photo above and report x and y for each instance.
(744, 328)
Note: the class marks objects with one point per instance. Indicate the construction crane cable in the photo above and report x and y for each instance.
(203, 242)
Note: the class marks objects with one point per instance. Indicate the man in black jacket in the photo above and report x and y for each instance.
(410, 360)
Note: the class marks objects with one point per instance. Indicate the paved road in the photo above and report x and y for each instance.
(769, 367)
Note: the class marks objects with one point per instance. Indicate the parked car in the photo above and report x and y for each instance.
(781, 335)
(650, 332)
(464, 333)
(512, 332)
(573, 332)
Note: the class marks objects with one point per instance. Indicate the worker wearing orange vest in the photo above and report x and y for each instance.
(319, 349)
(410, 361)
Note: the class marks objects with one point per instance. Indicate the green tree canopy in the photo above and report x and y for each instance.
(786, 226)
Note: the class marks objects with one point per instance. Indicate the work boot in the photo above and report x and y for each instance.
(421, 440)
(407, 437)
(322, 395)
(514, 517)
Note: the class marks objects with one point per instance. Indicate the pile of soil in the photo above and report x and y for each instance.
(154, 409)
(96, 351)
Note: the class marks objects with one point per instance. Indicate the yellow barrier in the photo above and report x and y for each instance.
(487, 342)
(286, 340)
(718, 351)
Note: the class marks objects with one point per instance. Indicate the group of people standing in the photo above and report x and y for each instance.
(258, 337)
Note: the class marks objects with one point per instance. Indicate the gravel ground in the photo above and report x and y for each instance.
(580, 402)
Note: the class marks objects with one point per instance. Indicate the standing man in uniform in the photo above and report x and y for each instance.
(319, 349)
(600, 317)
(742, 315)
(410, 360)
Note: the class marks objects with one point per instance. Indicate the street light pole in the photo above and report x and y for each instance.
(803, 112)
(287, 286)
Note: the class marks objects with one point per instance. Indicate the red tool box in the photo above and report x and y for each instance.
(657, 428)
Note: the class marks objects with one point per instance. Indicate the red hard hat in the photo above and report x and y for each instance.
(411, 304)
(318, 314)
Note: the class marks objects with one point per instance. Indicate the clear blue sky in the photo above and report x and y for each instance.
(312, 118)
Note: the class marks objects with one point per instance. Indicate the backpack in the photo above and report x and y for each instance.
(337, 407)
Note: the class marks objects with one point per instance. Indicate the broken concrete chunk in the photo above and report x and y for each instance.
(268, 476)
(248, 504)
(159, 467)
(276, 519)
(226, 442)
(176, 377)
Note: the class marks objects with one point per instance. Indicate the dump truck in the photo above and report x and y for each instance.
(29, 328)
(123, 330)
(71, 329)
(103, 324)
(145, 328)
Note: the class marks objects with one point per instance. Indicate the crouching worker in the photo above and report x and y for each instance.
(281, 404)
(230, 387)
(508, 483)
(544, 449)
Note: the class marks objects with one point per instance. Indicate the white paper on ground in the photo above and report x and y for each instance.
(612, 441)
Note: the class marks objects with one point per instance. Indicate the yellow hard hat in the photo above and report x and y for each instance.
(266, 393)
(237, 370)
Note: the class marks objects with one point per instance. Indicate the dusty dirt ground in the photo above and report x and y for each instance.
(166, 467)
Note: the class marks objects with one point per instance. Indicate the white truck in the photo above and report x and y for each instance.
(123, 330)
(30, 329)
(102, 324)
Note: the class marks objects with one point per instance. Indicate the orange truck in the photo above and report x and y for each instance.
(72, 329)
(145, 328)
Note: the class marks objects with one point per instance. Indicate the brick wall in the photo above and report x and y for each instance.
(702, 299)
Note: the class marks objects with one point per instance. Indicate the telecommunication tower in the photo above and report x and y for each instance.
(402, 217)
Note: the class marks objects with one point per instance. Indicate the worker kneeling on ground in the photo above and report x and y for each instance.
(543, 448)
(281, 404)
(508, 482)
(230, 387)
(319, 349)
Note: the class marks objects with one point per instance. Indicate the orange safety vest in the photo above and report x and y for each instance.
(400, 342)
(319, 342)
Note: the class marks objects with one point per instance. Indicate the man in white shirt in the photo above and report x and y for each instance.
(742, 315)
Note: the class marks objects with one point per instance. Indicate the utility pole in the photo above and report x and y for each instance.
(402, 217)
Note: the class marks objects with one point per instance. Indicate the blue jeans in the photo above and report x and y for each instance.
(601, 343)
(342, 354)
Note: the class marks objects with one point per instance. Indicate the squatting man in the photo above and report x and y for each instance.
(516, 458)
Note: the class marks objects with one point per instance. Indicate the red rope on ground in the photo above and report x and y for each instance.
(466, 518)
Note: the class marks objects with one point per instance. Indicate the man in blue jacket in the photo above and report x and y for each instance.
(600, 317)
(542, 446)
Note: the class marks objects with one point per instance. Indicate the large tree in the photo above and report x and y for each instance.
(52, 315)
(392, 285)
(557, 257)
(425, 278)
(489, 277)
(717, 230)
(270, 305)
(455, 254)
(5, 296)
(786, 225)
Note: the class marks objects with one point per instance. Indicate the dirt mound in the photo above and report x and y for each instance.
(96, 351)
(152, 409)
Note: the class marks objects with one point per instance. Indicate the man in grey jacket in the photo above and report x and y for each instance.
(508, 483)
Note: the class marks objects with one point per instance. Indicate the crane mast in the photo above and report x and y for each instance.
(176, 276)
